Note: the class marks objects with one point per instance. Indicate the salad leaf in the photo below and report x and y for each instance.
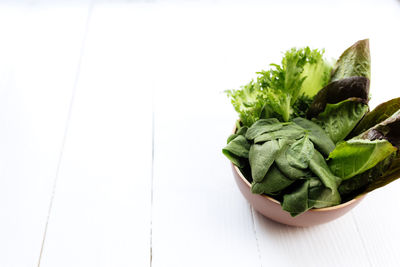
(320, 197)
(317, 135)
(273, 182)
(237, 150)
(283, 165)
(389, 130)
(240, 131)
(275, 91)
(263, 126)
(261, 158)
(353, 88)
(357, 156)
(355, 61)
(379, 114)
(338, 120)
(297, 201)
(300, 153)
(288, 131)
(319, 167)
(352, 187)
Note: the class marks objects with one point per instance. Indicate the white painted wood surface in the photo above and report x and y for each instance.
(39, 54)
(113, 118)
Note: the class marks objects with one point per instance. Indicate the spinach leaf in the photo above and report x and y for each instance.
(237, 150)
(357, 156)
(320, 197)
(273, 182)
(283, 164)
(296, 202)
(263, 126)
(379, 114)
(317, 135)
(261, 158)
(338, 120)
(355, 61)
(319, 167)
(240, 131)
(300, 152)
(289, 131)
(353, 88)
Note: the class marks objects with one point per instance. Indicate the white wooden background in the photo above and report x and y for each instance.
(112, 120)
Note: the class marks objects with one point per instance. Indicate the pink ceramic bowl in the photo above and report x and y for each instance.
(272, 209)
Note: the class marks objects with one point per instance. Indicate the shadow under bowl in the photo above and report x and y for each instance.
(272, 209)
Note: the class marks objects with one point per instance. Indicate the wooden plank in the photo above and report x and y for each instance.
(199, 216)
(101, 211)
(39, 55)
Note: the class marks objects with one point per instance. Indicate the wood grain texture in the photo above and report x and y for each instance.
(101, 211)
(39, 53)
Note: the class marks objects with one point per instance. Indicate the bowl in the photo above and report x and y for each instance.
(272, 209)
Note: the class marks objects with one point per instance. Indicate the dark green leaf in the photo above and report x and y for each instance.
(241, 131)
(284, 166)
(261, 158)
(317, 135)
(353, 88)
(296, 202)
(389, 130)
(378, 115)
(237, 150)
(319, 167)
(357, 156)
(273, 182)
(263, 126)
(355, 61)
(289, 131)
(300, 152)
(320, 197)
(338, 120)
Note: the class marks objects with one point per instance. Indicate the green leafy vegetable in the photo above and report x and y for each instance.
(274, 93)
(300, 153)
(283, 165)
(355, 61)
(237, 150)
(263, 126)
(273, 182)
(317, 135)
(353, 88)
(240, 131)
(297, 201)
(261, 158)
(289, 131)
(338, 120)
(319, 167)
(320, 197)
(357, 156)
(379, 114)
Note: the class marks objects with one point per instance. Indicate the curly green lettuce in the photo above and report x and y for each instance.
(286, 90)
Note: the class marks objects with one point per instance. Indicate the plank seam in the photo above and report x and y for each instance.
(152, 175)
(255, 233)
(74, 88)
(361, 238)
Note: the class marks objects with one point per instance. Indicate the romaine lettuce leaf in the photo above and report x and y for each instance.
(355, 61)
(338, 120)
(356, 156)
(379, 114)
